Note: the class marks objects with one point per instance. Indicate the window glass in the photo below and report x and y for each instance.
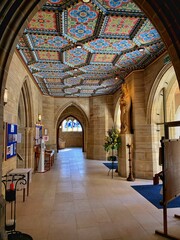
(71, 125)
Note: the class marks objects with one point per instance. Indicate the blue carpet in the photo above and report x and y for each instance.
(109, 165)
(152, 194)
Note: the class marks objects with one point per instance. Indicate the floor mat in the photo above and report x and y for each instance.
(152, 194)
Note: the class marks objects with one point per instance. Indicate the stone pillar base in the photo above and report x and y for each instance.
(3, 234)
(123, 161)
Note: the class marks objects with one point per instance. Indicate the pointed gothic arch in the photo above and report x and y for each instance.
(165, 84)
(74, 110)
(25, 128)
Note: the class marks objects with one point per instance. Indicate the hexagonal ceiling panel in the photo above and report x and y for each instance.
(73, 48)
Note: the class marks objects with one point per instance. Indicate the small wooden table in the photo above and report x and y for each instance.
(27, 173)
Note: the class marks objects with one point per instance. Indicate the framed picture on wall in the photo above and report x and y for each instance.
(38, 136)
(46, 138)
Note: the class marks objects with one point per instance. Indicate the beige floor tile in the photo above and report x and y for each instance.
(62, 232)
(101, 215)
(82, 205)
(63, 206)
(85, 219)
(92, 233)
(80, 196)
(109, 231)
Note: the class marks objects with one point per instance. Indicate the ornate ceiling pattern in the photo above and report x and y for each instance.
(79, 49)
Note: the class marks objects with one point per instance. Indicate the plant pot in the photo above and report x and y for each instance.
(112, 158)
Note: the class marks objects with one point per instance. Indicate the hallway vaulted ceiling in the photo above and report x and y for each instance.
(77, 49)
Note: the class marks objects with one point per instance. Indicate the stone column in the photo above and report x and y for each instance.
(1, 144)
(29, 158)
(100, 122)
(3, 234)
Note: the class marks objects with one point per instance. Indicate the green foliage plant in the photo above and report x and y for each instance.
(112, 140)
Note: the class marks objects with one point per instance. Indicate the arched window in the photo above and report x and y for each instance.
(71, 125)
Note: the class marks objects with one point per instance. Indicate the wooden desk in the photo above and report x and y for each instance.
(37, 151)
(49, 159)
(27, 172)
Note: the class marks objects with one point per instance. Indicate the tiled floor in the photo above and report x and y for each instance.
(76, 200)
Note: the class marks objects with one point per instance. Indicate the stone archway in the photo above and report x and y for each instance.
(14, 18)
(165, 84)
(165, 19)
(73, 138)
(25, 128)
(72, 109)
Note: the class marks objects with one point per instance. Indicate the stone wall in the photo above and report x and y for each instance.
(144, 153)
(48, 120)
(55, 110)
(95, 114)
(17, 75)
(72, 139)
(101, 119)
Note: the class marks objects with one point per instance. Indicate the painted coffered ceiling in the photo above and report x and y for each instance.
(77, 49)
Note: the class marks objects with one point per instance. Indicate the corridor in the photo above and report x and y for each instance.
(77, 200)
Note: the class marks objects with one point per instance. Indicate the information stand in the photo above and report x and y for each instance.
(171, 175)
(41, 161)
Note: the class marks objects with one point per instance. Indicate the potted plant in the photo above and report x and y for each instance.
(112, 142)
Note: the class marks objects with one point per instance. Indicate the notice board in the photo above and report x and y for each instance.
(11, 140)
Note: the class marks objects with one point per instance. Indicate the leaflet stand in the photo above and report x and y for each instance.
(165, 200)
(41, 160)
(11, 181)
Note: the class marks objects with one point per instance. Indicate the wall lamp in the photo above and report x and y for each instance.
(5, 96)
(39, 117)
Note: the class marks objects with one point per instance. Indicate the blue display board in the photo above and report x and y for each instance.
(11, 148)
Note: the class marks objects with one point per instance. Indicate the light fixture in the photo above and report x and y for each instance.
(5, 96)
(39, 117)
(78, 45)
(86, 1)
(141, 49)
(45, 132)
